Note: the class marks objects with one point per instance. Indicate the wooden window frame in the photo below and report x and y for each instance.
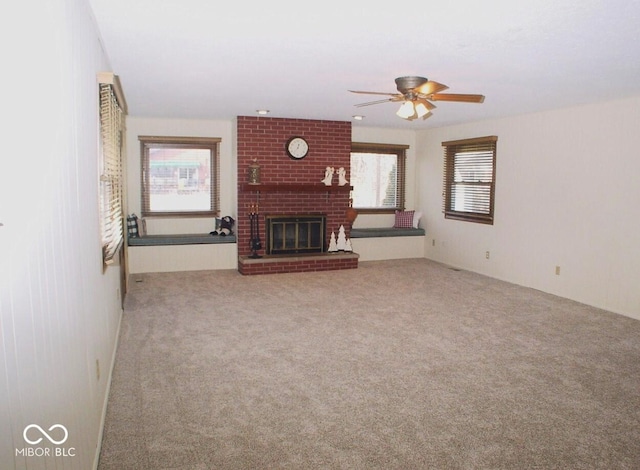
(209, 143)
(401, 154)
(483, 146)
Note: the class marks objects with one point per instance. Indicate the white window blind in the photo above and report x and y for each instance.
(112, 112)
(469, 179)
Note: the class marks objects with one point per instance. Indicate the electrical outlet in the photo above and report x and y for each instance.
(557, 270)
(487, 254)
(98, 369)
(433, 242)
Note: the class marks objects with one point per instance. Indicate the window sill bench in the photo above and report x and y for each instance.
(386, 232)
(187, 239)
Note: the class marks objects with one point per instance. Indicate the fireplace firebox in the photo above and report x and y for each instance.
(294, 234)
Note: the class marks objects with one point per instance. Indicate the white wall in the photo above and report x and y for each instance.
(143, 259)
(137, 126)
(373, 249)
(567, 194)
(224, 256)
(59, 313)
(171, 258)
(226, 130)
(390, 136)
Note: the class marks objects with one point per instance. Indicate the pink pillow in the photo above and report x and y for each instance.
(404, 219)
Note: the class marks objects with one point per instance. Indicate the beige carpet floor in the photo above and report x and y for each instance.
(395, 365)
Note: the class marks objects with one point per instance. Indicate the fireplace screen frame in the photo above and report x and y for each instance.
(293, 234)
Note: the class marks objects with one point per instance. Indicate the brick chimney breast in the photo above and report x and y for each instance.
(289, 186)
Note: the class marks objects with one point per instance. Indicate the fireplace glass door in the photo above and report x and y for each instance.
(295, 234)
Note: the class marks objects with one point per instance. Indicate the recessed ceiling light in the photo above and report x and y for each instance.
(262, 112)
(358, 117)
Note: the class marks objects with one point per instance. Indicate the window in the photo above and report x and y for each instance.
(378, 177)
(179, 176)
(112, 117)
(469, 179)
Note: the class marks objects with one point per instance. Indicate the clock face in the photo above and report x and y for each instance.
(297, 147)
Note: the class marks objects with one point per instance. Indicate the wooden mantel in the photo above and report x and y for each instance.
(311, 188)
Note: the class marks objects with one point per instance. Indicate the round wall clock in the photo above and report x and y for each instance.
(297, 147)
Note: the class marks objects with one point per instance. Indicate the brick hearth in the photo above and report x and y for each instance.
(298, 263)
(291, 187)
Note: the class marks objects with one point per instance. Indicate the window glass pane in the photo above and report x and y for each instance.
(374, 179)
(180, 179)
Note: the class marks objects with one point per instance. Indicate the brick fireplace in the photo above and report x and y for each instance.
(291, 187)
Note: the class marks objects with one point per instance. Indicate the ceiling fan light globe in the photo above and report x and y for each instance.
(421, 110)
(407, 110)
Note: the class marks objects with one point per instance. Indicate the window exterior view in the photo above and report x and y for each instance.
(377, 176)
(180, 180)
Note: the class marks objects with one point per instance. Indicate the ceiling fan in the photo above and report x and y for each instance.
(416, 93)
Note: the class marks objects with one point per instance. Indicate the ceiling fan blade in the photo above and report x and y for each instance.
(464, 98)
(428, 104)
(360, 105)
(393, 99)
(430, 88)
(373, 92)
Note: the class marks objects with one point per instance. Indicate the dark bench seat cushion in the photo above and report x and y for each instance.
(386, 232)
(187, 239)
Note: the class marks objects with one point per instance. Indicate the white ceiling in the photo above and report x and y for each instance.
(216, 60)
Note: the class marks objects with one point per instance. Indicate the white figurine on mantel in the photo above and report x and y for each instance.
(342, 239)
(328, 175)
(342, 176)
(333, 247)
